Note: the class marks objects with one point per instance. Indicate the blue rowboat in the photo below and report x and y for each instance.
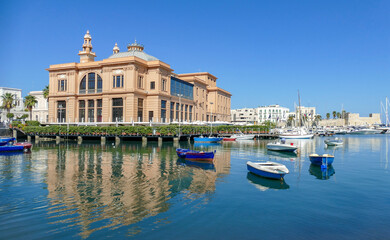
(325, 159)
(11, 148)
(181, 152)
(271, 170)
(207, 139)
(195, 155)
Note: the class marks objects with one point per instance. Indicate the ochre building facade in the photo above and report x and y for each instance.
(132, 86)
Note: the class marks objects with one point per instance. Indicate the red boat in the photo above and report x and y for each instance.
(229, 139)
(26, 145)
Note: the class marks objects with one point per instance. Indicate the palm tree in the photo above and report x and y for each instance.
(46, 91)
(328, 116)
(29, 103)
(334, 114)
(290, 120)
(338, 115)
(8, 101)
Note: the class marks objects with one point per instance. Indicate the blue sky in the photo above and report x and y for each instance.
(337, 53)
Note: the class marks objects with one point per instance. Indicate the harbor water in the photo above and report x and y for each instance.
(143, 191)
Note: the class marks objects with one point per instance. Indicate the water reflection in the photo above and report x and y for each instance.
(197, 164)
(322, 174)
(291, 156)
(264, 184)
(90, 184)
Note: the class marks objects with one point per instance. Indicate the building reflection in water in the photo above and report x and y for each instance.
(99, 187)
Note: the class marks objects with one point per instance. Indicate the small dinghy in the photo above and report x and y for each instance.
(229, 139)
(319, 160)
(267, 169)
(335, 142)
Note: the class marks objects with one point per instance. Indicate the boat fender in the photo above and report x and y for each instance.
(292, 144)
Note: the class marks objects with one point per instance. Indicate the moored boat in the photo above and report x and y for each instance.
(26, 145)
(195, 155)
(11, 148)
(281, 146)
(365, 131)
(325, 159)
(268, 169)
(208, 139)
(229, 139)
(243, 136)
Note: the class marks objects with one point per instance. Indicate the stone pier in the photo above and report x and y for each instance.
(79, 140)
(36, 139)
(15, 134)
(58, 139)
(28, 138)
(117, 140)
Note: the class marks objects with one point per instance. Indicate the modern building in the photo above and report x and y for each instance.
(131, 86)
(40, 111)
(243, 115)
(273, 113)
(18, 109)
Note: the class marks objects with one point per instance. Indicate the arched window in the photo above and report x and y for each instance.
(91, 83)
(82, 85)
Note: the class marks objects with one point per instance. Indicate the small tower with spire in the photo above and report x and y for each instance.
(115, 49)
(135, 47)
(87, 55)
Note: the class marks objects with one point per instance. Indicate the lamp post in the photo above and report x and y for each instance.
(179, 95)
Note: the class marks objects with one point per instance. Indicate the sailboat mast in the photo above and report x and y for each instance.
(387, 113)
(299, 110)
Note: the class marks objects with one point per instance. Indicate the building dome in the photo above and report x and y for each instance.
(134, 50)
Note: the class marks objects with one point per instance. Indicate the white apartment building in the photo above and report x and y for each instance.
(273, 113)
(243, 115)
(18, 109)
(40, 111)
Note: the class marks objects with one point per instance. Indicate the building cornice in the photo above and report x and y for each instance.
(212, 89)
(197, 74)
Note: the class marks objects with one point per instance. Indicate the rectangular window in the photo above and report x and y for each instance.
(172, 111)
(185, 114)
(163, 111)
(140, 109)
(190, 114)
(117, 110)
(81, 111)
(140, 82)
(62, 85)
(117, 81)
(181, 112)
(150, 116)
(99, 111)
(61, 111)
(177, 112)
(164, 85)
(91, 110)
